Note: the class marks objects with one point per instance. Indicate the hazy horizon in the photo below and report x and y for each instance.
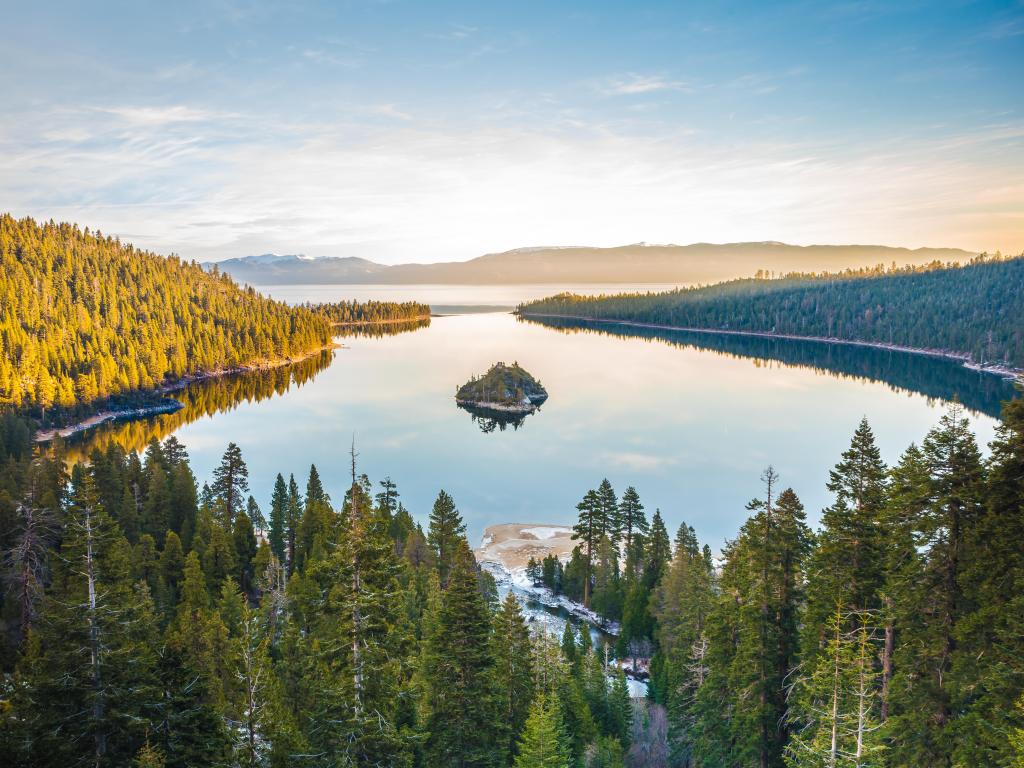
(400, 133)
(640, 244)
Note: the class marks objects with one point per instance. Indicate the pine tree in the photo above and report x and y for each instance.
(145, 563)
(259, 522)
(838, 699)
(278, 518)
(316, 529)
(848, 566)
(172, 566)
(588, 531)
(569, 643)
(629, 519)
(244, 539)
(445, 531)
(458, 672)
(314, 488)
(219, 559)
(990, 640)
(359, 641)
(265, 728)
(607, 589)
(933, 600)
(610, 522)
(513, 671)
(88, 679)
(193, 669)
(543, 742)
(190, 730)
(184, 502)
(659, 551)
(156, 506)
(682, 602)
(293, 518)
(741, 706)
(620, 710)
(231, 482)
(387, 499)
(27, 559)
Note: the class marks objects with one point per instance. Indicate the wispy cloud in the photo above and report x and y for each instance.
(155, 116)
(398, 190)
(635, 84)
(454, 32)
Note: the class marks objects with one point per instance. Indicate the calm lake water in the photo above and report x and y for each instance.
(691, 420)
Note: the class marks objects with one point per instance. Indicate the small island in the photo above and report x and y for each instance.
(505, 389)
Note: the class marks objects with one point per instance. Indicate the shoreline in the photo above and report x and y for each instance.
(156, 409)
(1016, 374)
(351, 323)
(46, 436)
(184, 381)
(519, 410)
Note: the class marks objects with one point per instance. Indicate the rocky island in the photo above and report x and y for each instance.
(504, 389)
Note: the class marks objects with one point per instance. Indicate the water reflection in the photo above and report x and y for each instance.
(490, 420)
(936, 378)
(690, 423)
(200, 398)
(380, 330)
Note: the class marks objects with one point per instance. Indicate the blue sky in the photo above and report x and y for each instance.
(433, 131)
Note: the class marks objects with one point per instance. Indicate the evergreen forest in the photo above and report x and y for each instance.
(974, 311)
(356, 312)
(149, 619)
(86, 317)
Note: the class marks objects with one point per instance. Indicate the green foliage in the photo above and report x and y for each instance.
(838, 699)
(368, 312)
(543, 741)
(502, 385)
(128, 319)
(458, 665)
(977, 309)
(445, 533)
(146, 625)
(513, 674)
(231, 482)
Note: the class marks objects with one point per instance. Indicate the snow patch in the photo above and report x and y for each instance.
(543, 532)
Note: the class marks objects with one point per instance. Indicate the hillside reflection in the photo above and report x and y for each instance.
(200, 398)
(379, 330)
(933, 377)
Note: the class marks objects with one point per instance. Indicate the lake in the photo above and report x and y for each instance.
(690, 420)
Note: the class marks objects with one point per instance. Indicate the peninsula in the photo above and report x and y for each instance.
(504, 388)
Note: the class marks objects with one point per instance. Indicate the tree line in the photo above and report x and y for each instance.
(355, 312)
(975, 310)
(152, 622)
(85, 317)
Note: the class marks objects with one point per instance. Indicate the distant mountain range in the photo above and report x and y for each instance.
(638, 263)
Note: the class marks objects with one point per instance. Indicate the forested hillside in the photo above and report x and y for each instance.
(151, 622)
(975, 310)
(85, 316)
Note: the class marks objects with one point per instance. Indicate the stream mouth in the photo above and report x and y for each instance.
(550, 613)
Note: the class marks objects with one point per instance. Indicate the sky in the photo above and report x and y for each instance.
(414, 132)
